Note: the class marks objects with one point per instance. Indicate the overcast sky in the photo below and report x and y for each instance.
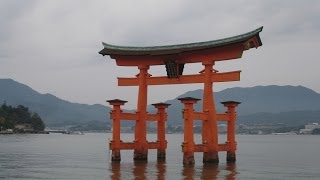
(52, 46)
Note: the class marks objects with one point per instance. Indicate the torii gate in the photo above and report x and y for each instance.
(174, 57)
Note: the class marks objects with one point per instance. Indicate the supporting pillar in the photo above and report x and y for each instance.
(188, 144)
(115, 116)
(141, 146)
(209, 126)
(231, 130)
(161, 153)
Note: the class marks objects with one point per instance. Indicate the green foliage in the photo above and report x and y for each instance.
(37, 123)
(12, 116)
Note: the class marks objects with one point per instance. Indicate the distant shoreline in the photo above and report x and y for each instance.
(12, 132)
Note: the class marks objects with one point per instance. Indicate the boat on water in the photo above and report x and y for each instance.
(73, 132)
(288, 133)
(7, 131)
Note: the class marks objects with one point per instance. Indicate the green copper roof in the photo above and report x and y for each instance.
(172, 49)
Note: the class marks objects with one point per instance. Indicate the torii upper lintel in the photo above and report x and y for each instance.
(216, 50)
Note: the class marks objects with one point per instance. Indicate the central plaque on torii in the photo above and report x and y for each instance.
(174, 58)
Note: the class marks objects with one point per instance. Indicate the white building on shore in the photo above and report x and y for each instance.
(308, 128)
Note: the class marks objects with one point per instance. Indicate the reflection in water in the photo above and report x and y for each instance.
(161, 168)
(139, 169)
(231, 167)
(143, 170)
(210, 171)
(188, 172)
(115, 169)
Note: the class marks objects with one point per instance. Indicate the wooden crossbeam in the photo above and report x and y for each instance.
(203, 148)
(183, 79)
(132, 145)
(128, 116)
(134, 116)
(155, 117)
(200, 116)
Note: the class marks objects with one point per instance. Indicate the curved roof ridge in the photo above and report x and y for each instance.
(187, 45)
(115, 49)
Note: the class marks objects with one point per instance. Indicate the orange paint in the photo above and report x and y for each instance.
(231, 130)
(188, 144)
(115, 116)
(209, 126)
(161, 154)
(140, 144)
(209, 117)
(185, 79)
(174, 58)
(141, 150)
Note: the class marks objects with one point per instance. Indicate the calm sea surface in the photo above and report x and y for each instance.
(58, 156)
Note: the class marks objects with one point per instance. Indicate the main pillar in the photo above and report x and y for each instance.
(141, 149)
(231, 130)
(209, 126)
(115, 116)
(161, 153)
(188, 144)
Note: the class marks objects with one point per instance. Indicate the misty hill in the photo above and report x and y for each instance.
(292, 118)
(261, 104)
(54, 111)
(260, 100)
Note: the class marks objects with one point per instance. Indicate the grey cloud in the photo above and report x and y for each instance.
(60, 40)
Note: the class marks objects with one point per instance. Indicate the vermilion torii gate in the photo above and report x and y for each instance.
(174, 58)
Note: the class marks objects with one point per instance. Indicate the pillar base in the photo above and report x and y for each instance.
(231, 156)
(116, 156)
(210, 157)
(161, 155)
(188, 159)
(140, 155)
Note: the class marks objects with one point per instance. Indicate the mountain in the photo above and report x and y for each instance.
(274, 99)
(256, 101)
(294, 105)
(53, 110)
(291, 118)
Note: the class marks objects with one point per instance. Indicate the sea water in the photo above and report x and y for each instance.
(60, 156)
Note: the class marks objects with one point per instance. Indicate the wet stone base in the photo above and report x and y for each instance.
(116, 156)
(231, 157)
(161, 155)
(210, 158)
(140, 156)
(188, 159)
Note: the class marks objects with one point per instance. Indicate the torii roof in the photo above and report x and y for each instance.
(176, 49)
